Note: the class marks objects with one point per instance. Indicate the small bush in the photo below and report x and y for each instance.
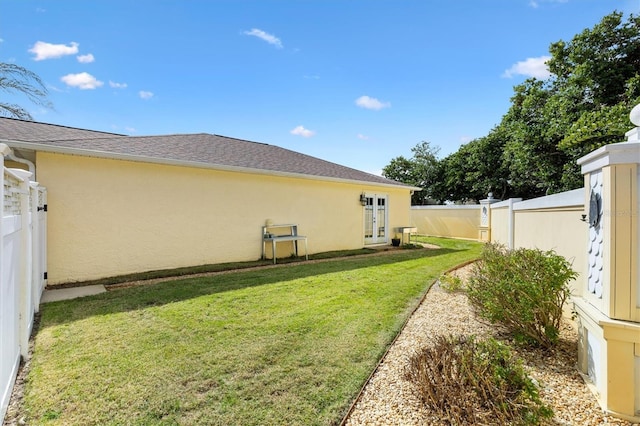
(451, 283)
(469, 381)
(522, 290)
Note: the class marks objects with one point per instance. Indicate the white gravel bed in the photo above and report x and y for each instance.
(389, 399)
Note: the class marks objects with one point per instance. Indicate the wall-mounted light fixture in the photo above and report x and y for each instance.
(363, 199)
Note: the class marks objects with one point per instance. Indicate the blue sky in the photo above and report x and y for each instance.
(354, 82)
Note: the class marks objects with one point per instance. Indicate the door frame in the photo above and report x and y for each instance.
(372, 205)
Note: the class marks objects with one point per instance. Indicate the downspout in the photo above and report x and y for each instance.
(32, 167)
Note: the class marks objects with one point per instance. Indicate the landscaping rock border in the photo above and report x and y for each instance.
(389, 399)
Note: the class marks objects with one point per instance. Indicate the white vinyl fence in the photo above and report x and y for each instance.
(22, 269)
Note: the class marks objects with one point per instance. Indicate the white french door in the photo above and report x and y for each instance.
(375, 219)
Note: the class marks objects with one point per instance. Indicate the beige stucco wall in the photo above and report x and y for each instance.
(447, 221)
(500, 225)
(560, 230)
(545, 223)
(110, 217)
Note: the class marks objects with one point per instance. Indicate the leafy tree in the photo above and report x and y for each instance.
(454, 186)
(16, 79)
(598, 78)
(599, 61)
(551, 123)
(476, 169)
(584, 105)
(459, 170)
(531, 155)
(402, 170)
(421, 170)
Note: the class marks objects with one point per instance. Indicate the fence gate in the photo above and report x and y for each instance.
(23, 228)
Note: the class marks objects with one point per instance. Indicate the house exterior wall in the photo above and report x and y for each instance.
(111, 217)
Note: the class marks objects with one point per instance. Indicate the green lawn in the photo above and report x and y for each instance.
(289, 345)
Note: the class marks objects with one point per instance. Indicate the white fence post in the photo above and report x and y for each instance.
(25, 261)
(484, 230)
(9, 352)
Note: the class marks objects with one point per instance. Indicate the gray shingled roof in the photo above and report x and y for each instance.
(32, 131)
(202, 150)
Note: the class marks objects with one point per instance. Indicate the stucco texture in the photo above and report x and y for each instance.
(454, 222)
(110, 217)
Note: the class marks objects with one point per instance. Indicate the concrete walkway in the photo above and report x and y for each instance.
(53, 295)
(71, 293)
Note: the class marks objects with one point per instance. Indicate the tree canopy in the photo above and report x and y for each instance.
(421, 170)
(585, 104)
(16, 79)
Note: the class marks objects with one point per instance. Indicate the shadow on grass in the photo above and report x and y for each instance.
(184, 272)
(180, 289)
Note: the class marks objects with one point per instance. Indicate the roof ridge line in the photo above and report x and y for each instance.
(244, 140)
(62, 125)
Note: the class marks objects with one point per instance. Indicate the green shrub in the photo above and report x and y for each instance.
(451, 283)
(470, 381)
(522, 290)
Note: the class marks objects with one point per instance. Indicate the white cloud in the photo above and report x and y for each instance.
(44, 50)
(301, 131)
(145, 95)
(269, 38)
(530, 67)
(371, 103)
(465, 139)
(85, 59)
(536, 3)
(117, 85)
(363, 137)
(82, 81)
(128, 129)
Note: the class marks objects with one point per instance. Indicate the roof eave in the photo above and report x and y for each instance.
(166, 161)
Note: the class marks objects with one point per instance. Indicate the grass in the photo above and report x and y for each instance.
(216, 267)
(290, 345)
